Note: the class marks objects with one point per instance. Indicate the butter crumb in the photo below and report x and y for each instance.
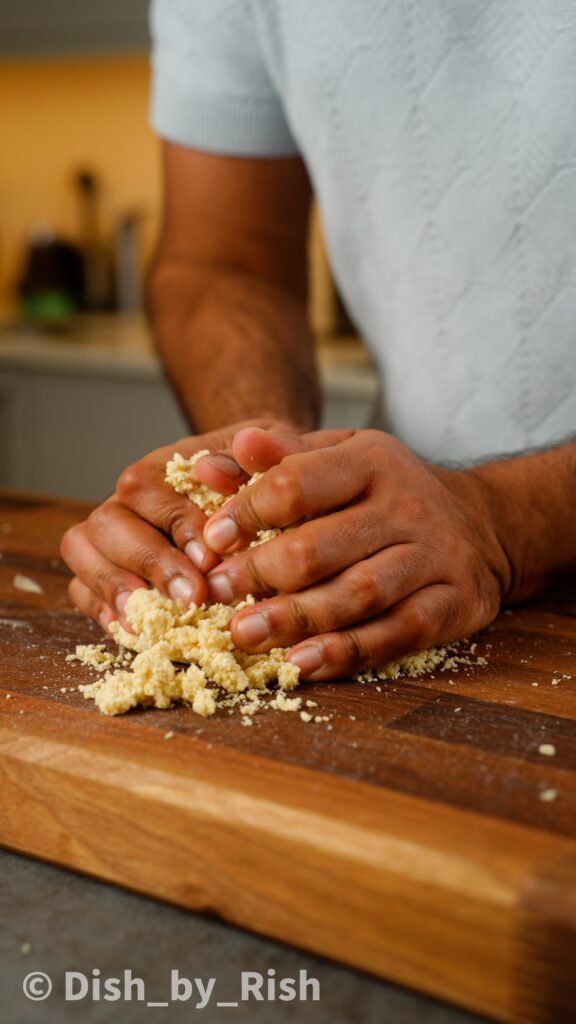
(547, 749)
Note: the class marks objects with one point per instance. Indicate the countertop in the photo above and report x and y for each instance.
(117, 345)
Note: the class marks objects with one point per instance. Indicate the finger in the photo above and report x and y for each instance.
(112, 584)
(361, 592)
(258, 450)
(143, 489)
(314, 551)
(89, 603)
(303, 486)
(131, 543)
(433, 615)
(221, 472)
(255, 450)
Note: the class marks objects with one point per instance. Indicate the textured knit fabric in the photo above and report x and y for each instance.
(440, 136)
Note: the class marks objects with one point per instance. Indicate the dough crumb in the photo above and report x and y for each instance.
(283, 703)
(547, 749)
(180, 474)
(169, 735)
(94, 655)
(548, 795)
(26, 584)
(26, 948)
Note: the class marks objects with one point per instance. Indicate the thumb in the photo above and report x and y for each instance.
(256, 450)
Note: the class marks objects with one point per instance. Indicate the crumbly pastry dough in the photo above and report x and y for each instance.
(178, 655)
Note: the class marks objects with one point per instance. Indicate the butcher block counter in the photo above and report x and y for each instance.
(421, 835)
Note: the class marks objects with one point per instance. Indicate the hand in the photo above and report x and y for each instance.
(147, 533)
(394, 555)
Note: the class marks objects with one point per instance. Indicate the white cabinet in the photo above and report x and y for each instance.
(72, 434)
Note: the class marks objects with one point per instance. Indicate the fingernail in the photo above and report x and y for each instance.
(198, 555)
(221, 534)
(221, 589)
(181, 589)
(308, 659)
(121, 600)
(226, 465)
(253, 629)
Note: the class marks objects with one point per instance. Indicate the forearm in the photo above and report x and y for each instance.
(234, 347)
(533, 510)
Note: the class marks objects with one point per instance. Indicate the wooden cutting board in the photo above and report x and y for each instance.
(409, 839)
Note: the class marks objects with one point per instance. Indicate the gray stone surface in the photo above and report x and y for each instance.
(78, 924)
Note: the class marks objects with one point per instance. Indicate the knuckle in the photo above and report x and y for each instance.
(102, 581)
(179, 526)
(301, 554)
(284, 487)
(368, 590)
(375, 442)
(428, 622)
(108, 585)
(70, 540)
(255, 571)
(129, 482)
(147, 561)
(247, 510)
(448, 615)
(98, 520)
(418, 626)
(300, 616)
(352, 654)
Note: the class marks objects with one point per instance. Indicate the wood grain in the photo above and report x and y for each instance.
(408, 840)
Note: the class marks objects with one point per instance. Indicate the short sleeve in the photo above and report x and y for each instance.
(211, 89)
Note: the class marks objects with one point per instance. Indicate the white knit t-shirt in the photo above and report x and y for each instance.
(440, 137)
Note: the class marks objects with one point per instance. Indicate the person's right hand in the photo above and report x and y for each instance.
(147, 533)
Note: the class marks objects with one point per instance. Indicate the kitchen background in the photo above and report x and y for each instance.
(81, 391)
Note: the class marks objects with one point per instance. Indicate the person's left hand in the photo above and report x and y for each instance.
(389, 554)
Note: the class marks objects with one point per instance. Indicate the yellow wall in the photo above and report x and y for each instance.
(56, 116)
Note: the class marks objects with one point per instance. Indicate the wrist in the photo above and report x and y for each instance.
(481, 505)
(501, 503)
